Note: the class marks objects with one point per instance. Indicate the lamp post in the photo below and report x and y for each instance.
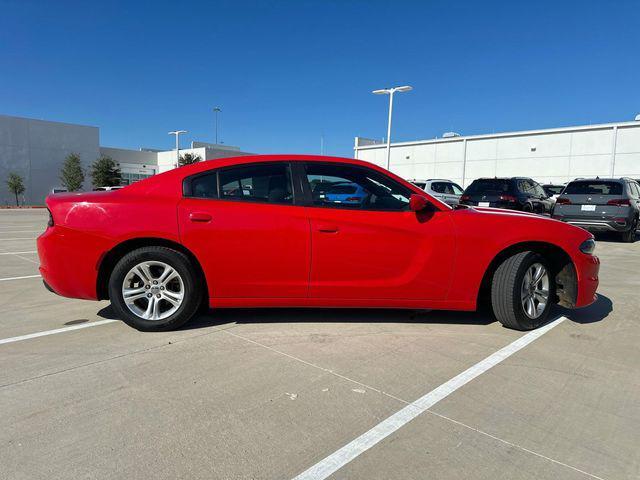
(177, 134)
(390, 92)
(217, 110)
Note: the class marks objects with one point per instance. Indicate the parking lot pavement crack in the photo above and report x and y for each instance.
(115, 357)
(326, 370)
(515, 445)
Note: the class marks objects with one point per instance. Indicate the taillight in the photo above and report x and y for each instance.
(508, 198)
(619, 202)
(465, 198)
(563, 201)
(50, 221)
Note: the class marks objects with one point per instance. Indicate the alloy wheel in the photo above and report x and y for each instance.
(153, 290)
(535, 290)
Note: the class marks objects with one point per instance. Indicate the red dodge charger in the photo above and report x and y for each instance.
(305, 231)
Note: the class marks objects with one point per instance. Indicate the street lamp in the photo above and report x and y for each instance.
(390, 92)
(216, 110)
(177, 134)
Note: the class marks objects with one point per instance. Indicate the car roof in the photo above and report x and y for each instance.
(601, 179)
(159, 182)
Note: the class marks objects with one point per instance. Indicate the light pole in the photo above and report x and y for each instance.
(177, 134)
(390, 92)
(216, 110)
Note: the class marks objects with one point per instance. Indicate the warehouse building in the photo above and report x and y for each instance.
(36, 150)
(549, 156)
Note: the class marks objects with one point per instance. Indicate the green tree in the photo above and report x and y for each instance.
(16, 185)
(72, 175)
(188, 159)
(105, 173)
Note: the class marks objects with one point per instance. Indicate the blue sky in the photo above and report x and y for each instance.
(287, 72)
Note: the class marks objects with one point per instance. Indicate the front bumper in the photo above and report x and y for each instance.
(587, 269)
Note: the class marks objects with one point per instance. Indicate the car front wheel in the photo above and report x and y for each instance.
(522, 291)
(154, 288)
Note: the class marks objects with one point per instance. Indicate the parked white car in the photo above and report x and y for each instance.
(444, 190)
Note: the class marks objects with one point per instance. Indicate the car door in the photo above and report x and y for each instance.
(243, 225)
(377, 248)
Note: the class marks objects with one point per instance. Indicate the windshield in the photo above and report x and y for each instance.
(593, 188)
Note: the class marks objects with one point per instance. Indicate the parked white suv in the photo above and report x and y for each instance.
(444, 190)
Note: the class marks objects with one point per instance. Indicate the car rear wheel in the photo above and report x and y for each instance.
(522, 291)
(630, 235)
(154, 288)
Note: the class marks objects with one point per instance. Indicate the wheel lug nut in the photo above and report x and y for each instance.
(158, 295)
(161, 288)
(155, 282)
(147, 286)
(149, 295)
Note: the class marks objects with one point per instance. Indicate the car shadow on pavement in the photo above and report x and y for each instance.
(595, 312)
(611, 237)
(212, 317)
(335, 315)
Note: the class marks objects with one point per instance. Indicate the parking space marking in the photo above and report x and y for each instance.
(18, 278)
(21, 238)
(329, 465)
(18, 253)
(20, 231)
(55, 331)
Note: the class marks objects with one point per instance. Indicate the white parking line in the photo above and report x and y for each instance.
(329, 465)
(21, 231)
(18, 253)
(53, 332)
(19, 238)
(18, 278)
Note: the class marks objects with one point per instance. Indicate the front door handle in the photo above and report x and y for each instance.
(200, 217)
(328, 229)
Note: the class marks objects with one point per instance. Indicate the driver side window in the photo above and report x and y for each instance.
(346, 186)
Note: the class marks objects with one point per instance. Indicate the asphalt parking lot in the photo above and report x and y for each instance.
(269, 394)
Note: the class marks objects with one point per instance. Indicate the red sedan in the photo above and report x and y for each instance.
(276, 231)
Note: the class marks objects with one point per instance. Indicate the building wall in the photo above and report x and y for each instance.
(548, 156)
(36, 149)
(134, 164)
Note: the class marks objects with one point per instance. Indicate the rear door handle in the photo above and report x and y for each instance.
(328, 229)
(199, 217)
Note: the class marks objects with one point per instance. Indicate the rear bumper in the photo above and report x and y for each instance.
(69, 262)
(597, 224)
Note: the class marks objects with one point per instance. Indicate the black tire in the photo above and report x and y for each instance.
(506, 291)
(630, 235)
(192, 295)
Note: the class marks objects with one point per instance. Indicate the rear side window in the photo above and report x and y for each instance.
(489, 185)
(205, 186)
(270, 183)
(593, 188)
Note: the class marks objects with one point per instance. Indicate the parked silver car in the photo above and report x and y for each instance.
(601, 204)
(444, 190)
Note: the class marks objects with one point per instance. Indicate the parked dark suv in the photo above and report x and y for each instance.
(516, 193)
(601, 204)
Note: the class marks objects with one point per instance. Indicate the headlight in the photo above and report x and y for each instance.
(50, 222)
(588, 246)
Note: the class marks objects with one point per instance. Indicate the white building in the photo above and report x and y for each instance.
(36, 150)
(548, 156)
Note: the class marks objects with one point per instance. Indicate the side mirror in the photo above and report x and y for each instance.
(417, 203)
